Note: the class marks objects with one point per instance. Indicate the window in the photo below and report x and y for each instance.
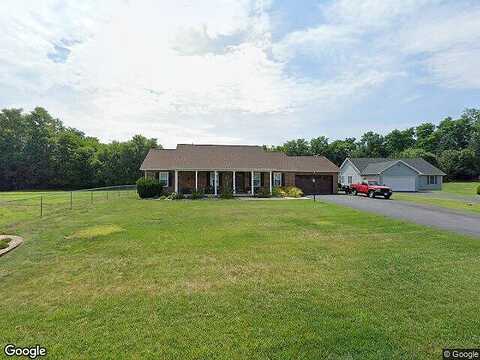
(277, 179)
(212, 179)
(350, 180)
(163, 178)
(431, 180)
(342, 179)
(257, 180)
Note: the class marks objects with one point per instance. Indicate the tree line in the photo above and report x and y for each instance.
(38, 152)
(453, 145)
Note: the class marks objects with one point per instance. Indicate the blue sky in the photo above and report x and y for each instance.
(230, 71)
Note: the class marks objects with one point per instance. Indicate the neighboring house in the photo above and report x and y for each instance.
(243, 169)
(398, 174)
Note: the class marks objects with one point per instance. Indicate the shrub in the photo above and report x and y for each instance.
(175, 196)
(279, 191)
(4, 243)
(148, 188)
(179, 196)
(263, 192)
(171, 196)
(226, 193)
(287, 191)
(197, 194)
(478, 190)
(293, 191)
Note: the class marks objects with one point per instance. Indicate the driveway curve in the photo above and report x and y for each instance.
(468, 224)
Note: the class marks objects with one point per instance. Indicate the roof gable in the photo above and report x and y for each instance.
(375, 166)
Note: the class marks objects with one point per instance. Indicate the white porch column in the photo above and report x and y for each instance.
(234, 192)
(176, 181)
(145, 172)
(270, 183)
(215, 176)
(251, 178)
(196, 180)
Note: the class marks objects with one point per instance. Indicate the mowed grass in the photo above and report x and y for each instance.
(462, 205)
(234, 279)
(461, 188)
(466, 192)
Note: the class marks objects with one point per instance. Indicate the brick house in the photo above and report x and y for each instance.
(244, 169)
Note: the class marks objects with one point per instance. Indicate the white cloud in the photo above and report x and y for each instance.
(186, 71)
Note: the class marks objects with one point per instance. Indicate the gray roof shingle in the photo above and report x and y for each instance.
(375, 166)
(423, 166)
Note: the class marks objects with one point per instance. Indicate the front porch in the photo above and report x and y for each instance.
(239, 183)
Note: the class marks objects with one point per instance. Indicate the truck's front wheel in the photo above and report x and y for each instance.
(371, 194)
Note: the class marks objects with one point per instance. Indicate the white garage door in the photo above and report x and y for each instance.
(400, 183)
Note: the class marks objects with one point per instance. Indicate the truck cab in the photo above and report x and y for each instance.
(371, 189)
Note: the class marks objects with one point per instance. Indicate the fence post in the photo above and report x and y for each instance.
(71, 200)
(41, 205)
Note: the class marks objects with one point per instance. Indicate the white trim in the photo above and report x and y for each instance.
(215, 182)
(259, 175)
(176, 181)
(196, 180)
(270, 182)
(351, 163)
(386, 159)
(233, 182)
(277, 173)
(246, 170)
(435, 179)
(168, 177)
(251, 183)
(395, 163)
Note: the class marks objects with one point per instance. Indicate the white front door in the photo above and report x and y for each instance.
(400, 183)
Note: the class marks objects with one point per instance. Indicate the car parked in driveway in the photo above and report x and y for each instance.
(371, 189)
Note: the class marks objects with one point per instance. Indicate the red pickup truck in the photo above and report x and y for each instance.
(371, 189)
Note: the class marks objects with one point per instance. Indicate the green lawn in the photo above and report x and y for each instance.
(440, 198)
(461, 188)
(231, 279)
(462, 205)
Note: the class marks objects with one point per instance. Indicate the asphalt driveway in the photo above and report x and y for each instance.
(468, 224)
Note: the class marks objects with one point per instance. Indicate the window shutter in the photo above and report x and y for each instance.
(283, 179)
(171, 178)
(261, 179)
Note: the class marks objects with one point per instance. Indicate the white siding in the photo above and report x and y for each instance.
(422, 183)
(372, 178)
(348, 170)
(400, 177)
